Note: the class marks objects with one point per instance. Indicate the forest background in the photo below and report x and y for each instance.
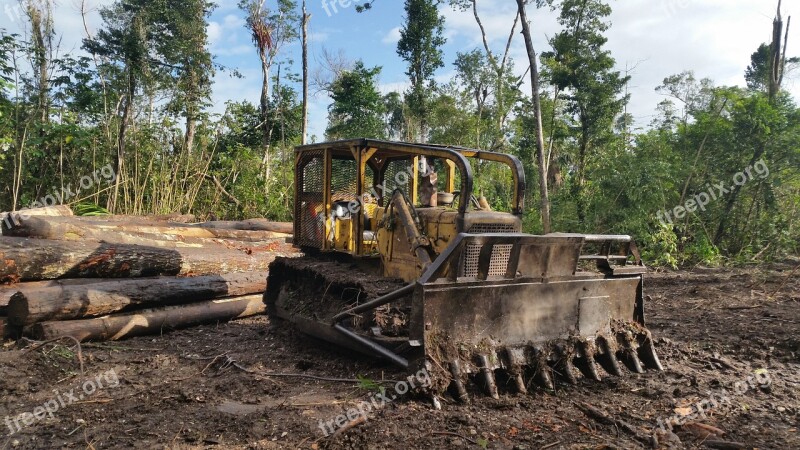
(710, 177)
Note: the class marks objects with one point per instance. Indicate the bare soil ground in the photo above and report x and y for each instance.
(210, 386)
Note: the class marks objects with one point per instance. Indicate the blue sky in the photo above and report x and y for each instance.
(653, 38)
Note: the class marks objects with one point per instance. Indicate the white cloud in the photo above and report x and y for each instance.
(392, 37)
(233, 21)
(228, 37)
(714, 38)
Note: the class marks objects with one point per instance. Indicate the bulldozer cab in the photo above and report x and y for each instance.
(344, 190)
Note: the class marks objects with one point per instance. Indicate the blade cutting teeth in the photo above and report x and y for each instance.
(607, 356)
(455, 371)
(487, 373)
(515, 369)
(587, 364)
(542, 369)
(516, 363)
(564, 365)
(629, 350)
(647, 351)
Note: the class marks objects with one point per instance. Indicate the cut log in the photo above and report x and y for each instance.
(77, 228)
(32, 304)
(251, 225)
(173, 218)
(82, 230)
(10, 219)
(41, 259)
(153, 321)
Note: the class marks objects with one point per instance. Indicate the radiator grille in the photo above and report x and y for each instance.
(501, 253)
(485, 228)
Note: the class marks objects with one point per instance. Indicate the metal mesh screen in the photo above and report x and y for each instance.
(311, 206)
(398, 175)
(344, 173)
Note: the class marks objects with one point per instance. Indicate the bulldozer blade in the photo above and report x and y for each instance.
(522, 297)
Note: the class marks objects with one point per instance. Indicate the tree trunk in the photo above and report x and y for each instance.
(35, 303)
(119, 159)
(72, 229)
(191, 130)
(306, 18)
(580, 201)
(154, 321)
(265, 123)
(537, 112)
(4, 328)
(41, 29)
(40, 259)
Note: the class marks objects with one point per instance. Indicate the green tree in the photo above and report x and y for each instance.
(186, 55)
(357, 109)
(583, 70)
(420, 46)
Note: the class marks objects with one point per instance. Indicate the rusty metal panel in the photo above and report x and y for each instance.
(518, 313)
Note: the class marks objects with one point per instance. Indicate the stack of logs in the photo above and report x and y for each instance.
(109, 277)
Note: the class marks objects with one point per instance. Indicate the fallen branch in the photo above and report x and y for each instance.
(605, 418)
(786, 281)
(350, 425)
(450, 433)
(235, 363)
(702, 430)
(222, 189)
(726, 445)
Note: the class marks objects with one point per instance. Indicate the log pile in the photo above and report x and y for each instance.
(106, 278)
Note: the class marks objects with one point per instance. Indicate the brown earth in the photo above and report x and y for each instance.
(210, 386)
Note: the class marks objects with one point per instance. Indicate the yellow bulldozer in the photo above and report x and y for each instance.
(408, 258)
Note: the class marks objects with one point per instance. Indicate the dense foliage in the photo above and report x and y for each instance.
(713, 179)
